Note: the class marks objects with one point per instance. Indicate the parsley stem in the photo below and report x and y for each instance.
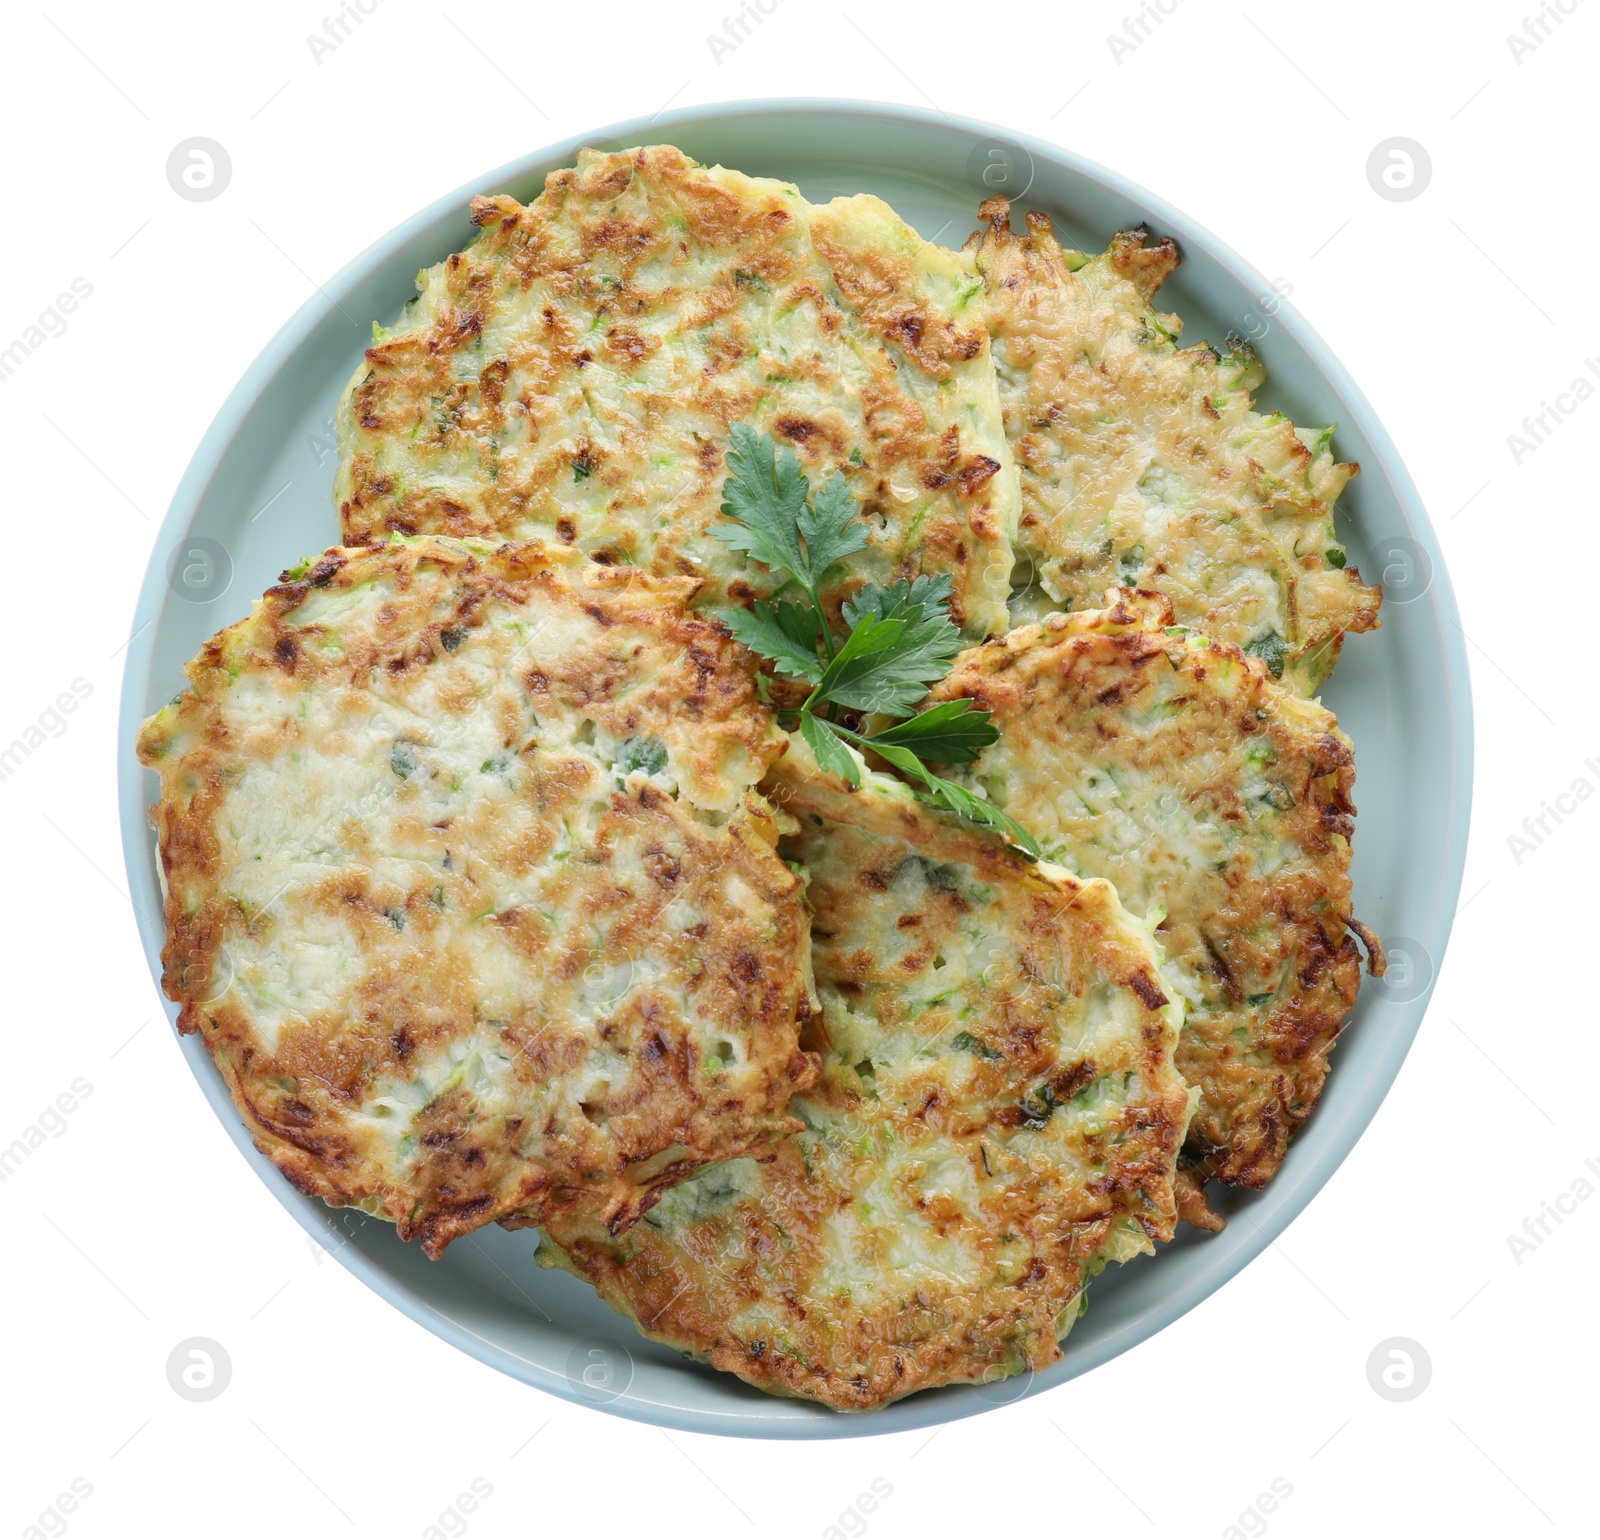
(828, 644)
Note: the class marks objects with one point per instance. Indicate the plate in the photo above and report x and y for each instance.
(257, 497)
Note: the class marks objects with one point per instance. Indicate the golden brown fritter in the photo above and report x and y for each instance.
(467, 888)
(1219, 804)
(574, 373)
(1143, 465)
(998, 1117)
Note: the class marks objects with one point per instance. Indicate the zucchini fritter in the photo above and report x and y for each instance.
(998, 1117)
(574, 373)
(1143, 465)
(467, 888)
(1218, 803)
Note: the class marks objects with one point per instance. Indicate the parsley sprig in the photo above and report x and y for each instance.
(900, 638)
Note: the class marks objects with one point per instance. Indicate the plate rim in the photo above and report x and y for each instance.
(1271, 1212)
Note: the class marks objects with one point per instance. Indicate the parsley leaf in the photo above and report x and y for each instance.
(856, 677)
(900, 640)
(925, 650)
(924, 595)
(950, 733)
(829, 748)
(979, 810)
(765, 496)
(830, 528)
(938, 792)
(787, 633)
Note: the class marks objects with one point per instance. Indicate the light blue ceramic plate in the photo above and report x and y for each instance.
(257, 497)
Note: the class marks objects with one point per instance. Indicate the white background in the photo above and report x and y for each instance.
(138, 1225)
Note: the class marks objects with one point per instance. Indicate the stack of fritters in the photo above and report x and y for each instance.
(498, 894)
(997, 1117)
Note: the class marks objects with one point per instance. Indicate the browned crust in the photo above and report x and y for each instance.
(1193, 1206)
(1377, 961)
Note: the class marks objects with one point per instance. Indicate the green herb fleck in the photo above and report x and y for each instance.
(1270, 648)
(965, 1042)
(1038, 1105)
(647, 754)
